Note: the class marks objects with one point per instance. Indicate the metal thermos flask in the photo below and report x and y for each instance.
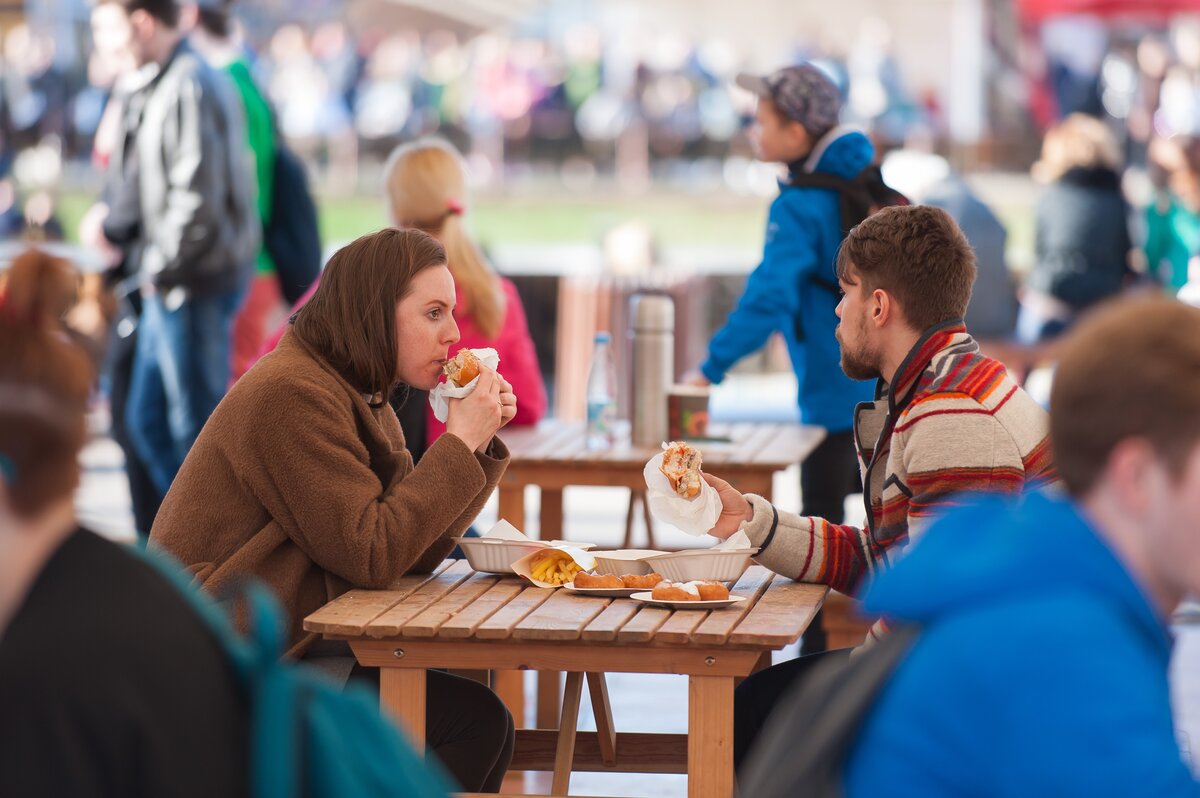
(653, 332)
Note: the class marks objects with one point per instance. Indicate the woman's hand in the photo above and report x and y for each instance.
(475, 418)
(735, 508)
(508, 401)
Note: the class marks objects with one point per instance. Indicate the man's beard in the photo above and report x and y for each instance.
(860, 365)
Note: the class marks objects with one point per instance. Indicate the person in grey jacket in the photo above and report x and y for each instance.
(198, 235)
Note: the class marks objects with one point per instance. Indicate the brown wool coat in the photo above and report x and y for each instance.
(296, 480)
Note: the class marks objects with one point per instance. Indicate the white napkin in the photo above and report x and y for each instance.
(738, 540)
(502, 530)
(695, 516)
(443, 392)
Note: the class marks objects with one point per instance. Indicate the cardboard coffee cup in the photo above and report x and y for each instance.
(687, 412)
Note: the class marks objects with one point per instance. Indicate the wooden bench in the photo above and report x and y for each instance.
(844, 625)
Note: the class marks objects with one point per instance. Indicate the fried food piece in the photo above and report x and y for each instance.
(712, 591)
(675, 591)
(555, 567)
(642, 582)
(584, 579)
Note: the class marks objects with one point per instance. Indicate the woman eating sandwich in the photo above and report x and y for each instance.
(301, 478)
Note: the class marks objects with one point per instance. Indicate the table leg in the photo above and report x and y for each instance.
(710, 736)
(606, 732)
(551, 514)
(512, 504)
(402, 695)
(564, 754)
(548, 681)
(547, 699)
(510, 686)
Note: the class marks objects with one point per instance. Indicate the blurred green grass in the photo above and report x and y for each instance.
(673, 219)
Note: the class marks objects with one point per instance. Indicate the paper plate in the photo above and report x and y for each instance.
(686, 605)
(602, 592)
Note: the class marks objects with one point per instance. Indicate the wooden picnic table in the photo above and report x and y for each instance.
(460, 619)
(553, 456)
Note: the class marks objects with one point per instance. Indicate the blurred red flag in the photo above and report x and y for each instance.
(1040, 10)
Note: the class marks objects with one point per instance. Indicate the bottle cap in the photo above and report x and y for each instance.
(603, 338)
(652, 313)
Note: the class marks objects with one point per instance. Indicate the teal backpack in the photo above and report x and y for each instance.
(308, 737)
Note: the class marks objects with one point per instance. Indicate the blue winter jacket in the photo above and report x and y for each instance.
(1041, 670)
(804, 230)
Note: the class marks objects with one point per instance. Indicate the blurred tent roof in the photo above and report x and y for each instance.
(1039, 10)
(461, 16)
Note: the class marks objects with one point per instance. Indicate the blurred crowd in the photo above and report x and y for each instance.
(594, 101)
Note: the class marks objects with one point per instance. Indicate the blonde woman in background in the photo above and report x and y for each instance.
(1082, 236)
(425, 184)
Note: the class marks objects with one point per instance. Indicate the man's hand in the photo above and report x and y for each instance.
(735, 508)
(697, 379)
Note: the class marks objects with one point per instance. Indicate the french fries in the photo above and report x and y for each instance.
(555, 567)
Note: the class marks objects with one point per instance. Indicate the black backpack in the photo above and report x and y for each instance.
(290, 235)
(803, 749)
(858, 197)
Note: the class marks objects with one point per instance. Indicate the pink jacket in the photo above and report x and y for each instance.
(518, 358)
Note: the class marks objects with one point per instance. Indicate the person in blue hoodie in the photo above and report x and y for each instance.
(794, 289)
(1041, 665)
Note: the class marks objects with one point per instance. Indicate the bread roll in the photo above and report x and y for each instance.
(681, 466)
(585, 580)
(462, 368)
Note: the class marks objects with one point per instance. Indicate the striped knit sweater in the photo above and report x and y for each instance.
(953, 422)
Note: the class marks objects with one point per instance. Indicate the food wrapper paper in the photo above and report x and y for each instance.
(524, 566)
(695, 516)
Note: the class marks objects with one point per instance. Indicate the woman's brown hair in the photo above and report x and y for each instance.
(350, 320)
(44, 385)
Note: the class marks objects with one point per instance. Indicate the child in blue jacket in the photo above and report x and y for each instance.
(794, 289)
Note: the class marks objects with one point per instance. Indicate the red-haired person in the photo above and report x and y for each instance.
(93, 640)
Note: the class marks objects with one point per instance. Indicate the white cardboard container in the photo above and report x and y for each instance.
(503, 545)
(625, 561)
(718, 565)
(496, 556)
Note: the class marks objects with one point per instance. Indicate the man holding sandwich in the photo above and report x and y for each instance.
(945, 419)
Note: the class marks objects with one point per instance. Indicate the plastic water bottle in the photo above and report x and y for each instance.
(601, 395)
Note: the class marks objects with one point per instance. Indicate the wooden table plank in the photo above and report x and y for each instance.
(748, 449)
(793, 444)
(678, 628)
(350, 612)
(781, 615)
(391, 622)
(468, 620)
(641, 628)
(604, 627)
(562, 617)
(500, 625)
(546, 442)
(432, 618)
(718, 626)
